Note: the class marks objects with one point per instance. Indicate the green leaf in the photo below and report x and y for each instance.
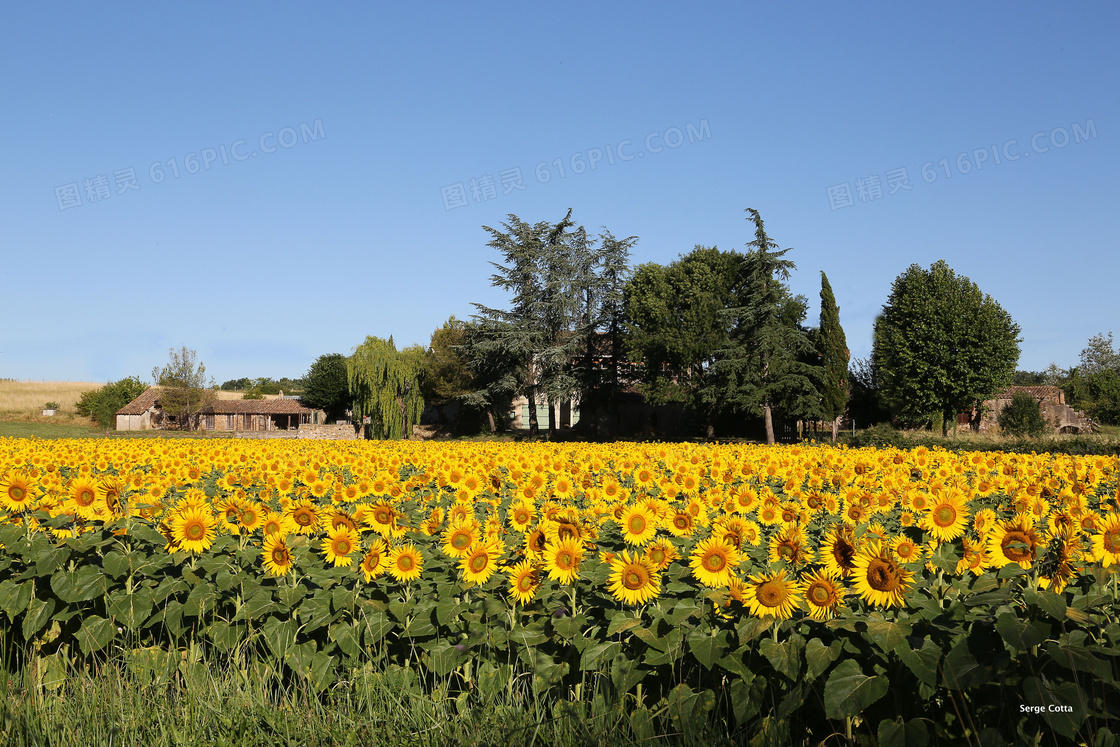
(1049, 602)
(595, 654)
(201, 600)
(133, 609)
(567, 627)
(443, 659)
(1060, 706)
(849, 691)
(50, 559)
(744, 704)
(625, 674)
(708, 648)
(374, 627)
(95, 634)
(887, 634)
(226, 637)
(899, 733)
(818, 657)
(116, 563)
(38, 615)
(621, 624)
(14, 597)
(82, 585)
(785, 657)
(348, 638)
(922, 662)
(280, 636)
(1021, 635)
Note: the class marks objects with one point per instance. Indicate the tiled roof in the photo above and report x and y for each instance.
(256, 407)
(141, 404)
(146, 400)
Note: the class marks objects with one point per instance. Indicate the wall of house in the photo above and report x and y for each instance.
(142, 422)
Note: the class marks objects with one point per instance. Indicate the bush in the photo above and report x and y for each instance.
(1022, 417)
(102, 404)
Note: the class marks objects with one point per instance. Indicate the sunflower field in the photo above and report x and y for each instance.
(720, 593)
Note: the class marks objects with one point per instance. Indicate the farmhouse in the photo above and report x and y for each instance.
(285, 413)
(1060, 417)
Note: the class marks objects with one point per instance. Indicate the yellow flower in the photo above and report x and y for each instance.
(524, 580)
(713, 562)
(660, 554)
(879, 578)
(771, 595)
(1014, 541)
(406, 562)
(17, 492)
(638, 525)
(375, 562)
(276, 555)
(304, 516)
(193, 529)
(340, 542)
(480, 562)
(562, 560)
(633, 579)
(459, 538)
(946, 518)
(824, 595)
(1106, 543)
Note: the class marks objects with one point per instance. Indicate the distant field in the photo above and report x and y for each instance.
(47, 430)
(24, 400)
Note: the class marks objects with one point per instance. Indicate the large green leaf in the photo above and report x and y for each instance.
(116, 563)
(899, 733)
(1061, 706)
(38, 615)
(922, 661)
(15, 597)
(95, 634)
(708, 648)
(1049, 602)
(133, 609)
(1021, 635)
(818, 657)
(81, 585)
(886, 634)
(784, 656)
(849, 691)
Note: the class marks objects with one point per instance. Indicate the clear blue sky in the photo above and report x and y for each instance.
(336, 164)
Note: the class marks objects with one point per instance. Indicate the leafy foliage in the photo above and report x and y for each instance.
(832, 347)
(940, 345)
(102, 404)
(385, 385)
(1022, 416)
(327, 386)
(186, 390)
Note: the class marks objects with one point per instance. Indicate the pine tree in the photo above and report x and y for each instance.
(833, 349)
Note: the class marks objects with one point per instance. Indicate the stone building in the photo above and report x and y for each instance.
(1060, 417)
(279, 414)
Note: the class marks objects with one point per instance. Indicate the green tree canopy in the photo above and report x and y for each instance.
(186, 390)
(832, 346)
(385, 386)
(327, 386)
(940, 345)
(102, 404)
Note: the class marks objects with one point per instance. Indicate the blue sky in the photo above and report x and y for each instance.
(336, 165)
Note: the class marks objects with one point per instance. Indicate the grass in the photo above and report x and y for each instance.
(48, 430)
(19, 399)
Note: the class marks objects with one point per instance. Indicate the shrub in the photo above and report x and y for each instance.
(102, 404)
(1022, 417)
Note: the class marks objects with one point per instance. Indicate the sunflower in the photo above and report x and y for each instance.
(536, 540)
(975, 558)
(879, 578)
(660, 554)
(480, 562)
(276, 555)
(524, 580)
(458, 539)
(771, 595)
(946, 518)
(790, 545)
(304, 515)
(1058, 567)
(382, 518)
(193, 529)
(340, 542)
(713, 562)
(681, 524)
(375, 561)
(84, 496)
(562, 560)
(823, 594)
(906, 550)
(110, 491)
(1014, 541)
(638, 525)
(274, 523)
(1106, 544)
(838, 551)
(633, 579)
(521, 516)
(17, 492)
(406, 562)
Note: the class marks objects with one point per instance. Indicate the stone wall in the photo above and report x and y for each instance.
(331, 432)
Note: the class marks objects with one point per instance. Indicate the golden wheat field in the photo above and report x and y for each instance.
(27, 398)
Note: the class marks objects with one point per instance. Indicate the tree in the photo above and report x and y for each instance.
(940, 345)
(385, 386)
(102, 404)
(865, 399)
(767, 362)
(833, 349)
(1022, 416)
(676, 327)
(1099, 355)
(327, 386)
(185, 389)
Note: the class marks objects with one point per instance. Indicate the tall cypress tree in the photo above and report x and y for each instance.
(833, 349)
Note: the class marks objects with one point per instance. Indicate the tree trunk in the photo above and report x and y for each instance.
(769, 418)
(551, 417)
(835, 429)
(490, 417)
(534, 426)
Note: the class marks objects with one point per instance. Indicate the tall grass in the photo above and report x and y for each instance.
(24, 400)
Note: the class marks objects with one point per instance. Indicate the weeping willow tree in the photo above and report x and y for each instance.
(385, 385)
